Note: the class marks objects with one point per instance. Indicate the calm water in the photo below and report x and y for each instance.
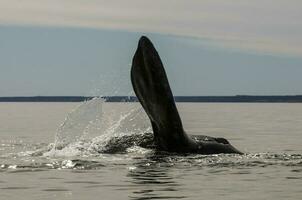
(31, 168)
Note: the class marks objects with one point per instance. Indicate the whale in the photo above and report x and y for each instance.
(151, 86)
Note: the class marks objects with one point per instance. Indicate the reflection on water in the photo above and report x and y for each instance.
(167, 176)
(153, 179)
(269, 133)
(150, 175)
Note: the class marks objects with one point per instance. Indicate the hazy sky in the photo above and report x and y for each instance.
(209, 47)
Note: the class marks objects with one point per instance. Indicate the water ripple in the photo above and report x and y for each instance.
(152, 161)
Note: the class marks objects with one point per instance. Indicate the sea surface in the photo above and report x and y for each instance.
(55, 151)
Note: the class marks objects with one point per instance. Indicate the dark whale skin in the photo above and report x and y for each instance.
(151, 86)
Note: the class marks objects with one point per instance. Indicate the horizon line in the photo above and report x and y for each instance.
(218, 99)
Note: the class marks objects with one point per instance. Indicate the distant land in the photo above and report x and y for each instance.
(218, 99)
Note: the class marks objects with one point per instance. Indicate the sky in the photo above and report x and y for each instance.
(208, 47)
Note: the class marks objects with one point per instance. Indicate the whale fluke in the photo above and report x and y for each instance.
(151, 86)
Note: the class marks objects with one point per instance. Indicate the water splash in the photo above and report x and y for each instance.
(132, 121)
(80, 124)
(89, 127)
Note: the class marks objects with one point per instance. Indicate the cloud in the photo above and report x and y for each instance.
(270, 26)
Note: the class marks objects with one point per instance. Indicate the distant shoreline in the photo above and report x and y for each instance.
(205, 99)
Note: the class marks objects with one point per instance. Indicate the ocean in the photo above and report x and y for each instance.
(55, 151)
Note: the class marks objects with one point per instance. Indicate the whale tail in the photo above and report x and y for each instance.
(151, 86)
